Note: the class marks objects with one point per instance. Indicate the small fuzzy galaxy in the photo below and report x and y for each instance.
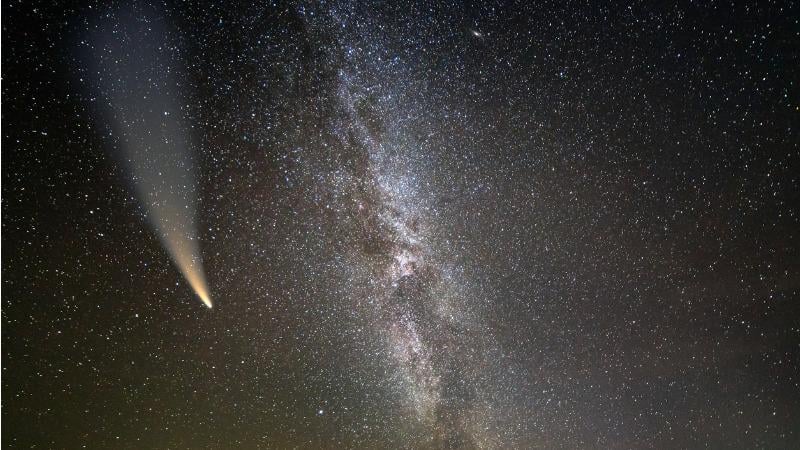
(411, 225)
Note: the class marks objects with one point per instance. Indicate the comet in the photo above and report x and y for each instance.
(136, 68)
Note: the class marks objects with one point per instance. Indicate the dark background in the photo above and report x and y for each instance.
(618, 184)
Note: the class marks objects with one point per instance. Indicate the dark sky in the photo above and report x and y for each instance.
(489, 225)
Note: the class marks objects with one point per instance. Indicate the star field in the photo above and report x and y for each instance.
(423, 225)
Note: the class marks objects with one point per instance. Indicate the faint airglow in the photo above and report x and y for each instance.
(135, 65)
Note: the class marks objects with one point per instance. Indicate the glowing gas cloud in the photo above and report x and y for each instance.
(135, 65)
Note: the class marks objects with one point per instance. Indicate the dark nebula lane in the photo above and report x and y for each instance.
(425, 225)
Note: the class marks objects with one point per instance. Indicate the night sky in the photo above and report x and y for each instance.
(423, 225)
